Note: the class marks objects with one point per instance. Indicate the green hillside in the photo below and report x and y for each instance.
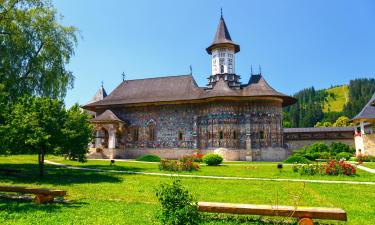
(327, 105)
(336, 99)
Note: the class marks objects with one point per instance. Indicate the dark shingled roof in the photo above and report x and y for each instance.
(368, 112)
(318, 129)
(108, 115)
(222, 37)
(183, 88)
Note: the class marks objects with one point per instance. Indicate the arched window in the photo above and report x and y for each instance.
(180, 136)
(151, 130)
(221, 136)
(221, 68)
(261, 134)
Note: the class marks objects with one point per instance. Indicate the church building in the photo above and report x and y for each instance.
(172, 116)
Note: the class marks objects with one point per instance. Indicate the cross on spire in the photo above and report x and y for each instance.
(102, 84)
(221, 12)
(123, 76)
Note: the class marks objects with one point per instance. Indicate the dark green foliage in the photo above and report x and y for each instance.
(178, 205)
(297, 159)
(337, 147)
(320, 150)
(77, 132)
(360, 92)
(149, 158)
(41, 125)
(212, 159)
(344, 155)
(308, 110)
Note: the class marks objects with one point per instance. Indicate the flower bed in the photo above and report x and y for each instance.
(176, 165)
(332, 168)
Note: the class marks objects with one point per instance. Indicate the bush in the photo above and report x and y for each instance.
(308, 169)
(175, 165)
(297, 159)
(324, 155)
(178, 205)
(149, 158)
(212, 159)
(338, 147)
(193, 158)
(365, 158)
(343, 155)
(316, 147)
(339, 168)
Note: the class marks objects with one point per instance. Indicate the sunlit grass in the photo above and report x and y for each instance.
(112, 198)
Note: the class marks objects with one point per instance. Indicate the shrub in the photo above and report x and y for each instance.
(316, 147)
(175, 165)
(297, 159)
(308, 169)
(338, 147)
(343, 155)
(193, 158)
(212, 159)
(339, 167)
(178, 205)
(149, 158)
(365, 158)
(324, 155)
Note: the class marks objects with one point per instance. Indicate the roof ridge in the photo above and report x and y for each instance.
(164, 77)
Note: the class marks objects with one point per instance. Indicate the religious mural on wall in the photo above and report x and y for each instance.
(203, 126)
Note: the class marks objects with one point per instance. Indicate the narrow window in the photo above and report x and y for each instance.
(180, 136)
(261, 135)
(135, 133)
(221, 135)
(152, 133)
(234, 135)
(221, 69)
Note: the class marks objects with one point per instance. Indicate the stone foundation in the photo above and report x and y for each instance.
(264, 154)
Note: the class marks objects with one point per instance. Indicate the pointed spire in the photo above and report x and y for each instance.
(222, 36)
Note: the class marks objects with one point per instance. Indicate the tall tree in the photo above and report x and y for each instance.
(34, 49)
(77, 132)
(41, 125)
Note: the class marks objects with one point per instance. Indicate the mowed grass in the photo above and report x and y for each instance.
(113, 198)
(337, 103)
(245, 169)
(369, 165)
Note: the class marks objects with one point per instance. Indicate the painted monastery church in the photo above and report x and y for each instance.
(172, 116)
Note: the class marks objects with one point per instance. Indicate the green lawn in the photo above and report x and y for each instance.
(245, 169)
(369, 165)
(110, 198)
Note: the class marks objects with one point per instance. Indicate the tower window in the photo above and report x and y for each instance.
(180, 136)
(221, 68)
(221, 136)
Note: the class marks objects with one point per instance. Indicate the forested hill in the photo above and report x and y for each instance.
(327, 105)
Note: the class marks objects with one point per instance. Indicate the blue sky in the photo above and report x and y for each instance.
(298, 43)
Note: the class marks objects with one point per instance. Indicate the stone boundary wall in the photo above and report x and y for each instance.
(265, 154)
(298, 144)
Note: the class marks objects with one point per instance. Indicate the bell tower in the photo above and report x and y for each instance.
(222, 51)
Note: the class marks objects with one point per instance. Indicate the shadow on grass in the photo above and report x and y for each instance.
(114, 167)
(11, 205)
(210, 218)
(29, 173)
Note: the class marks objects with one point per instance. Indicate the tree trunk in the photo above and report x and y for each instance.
(41, 162)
